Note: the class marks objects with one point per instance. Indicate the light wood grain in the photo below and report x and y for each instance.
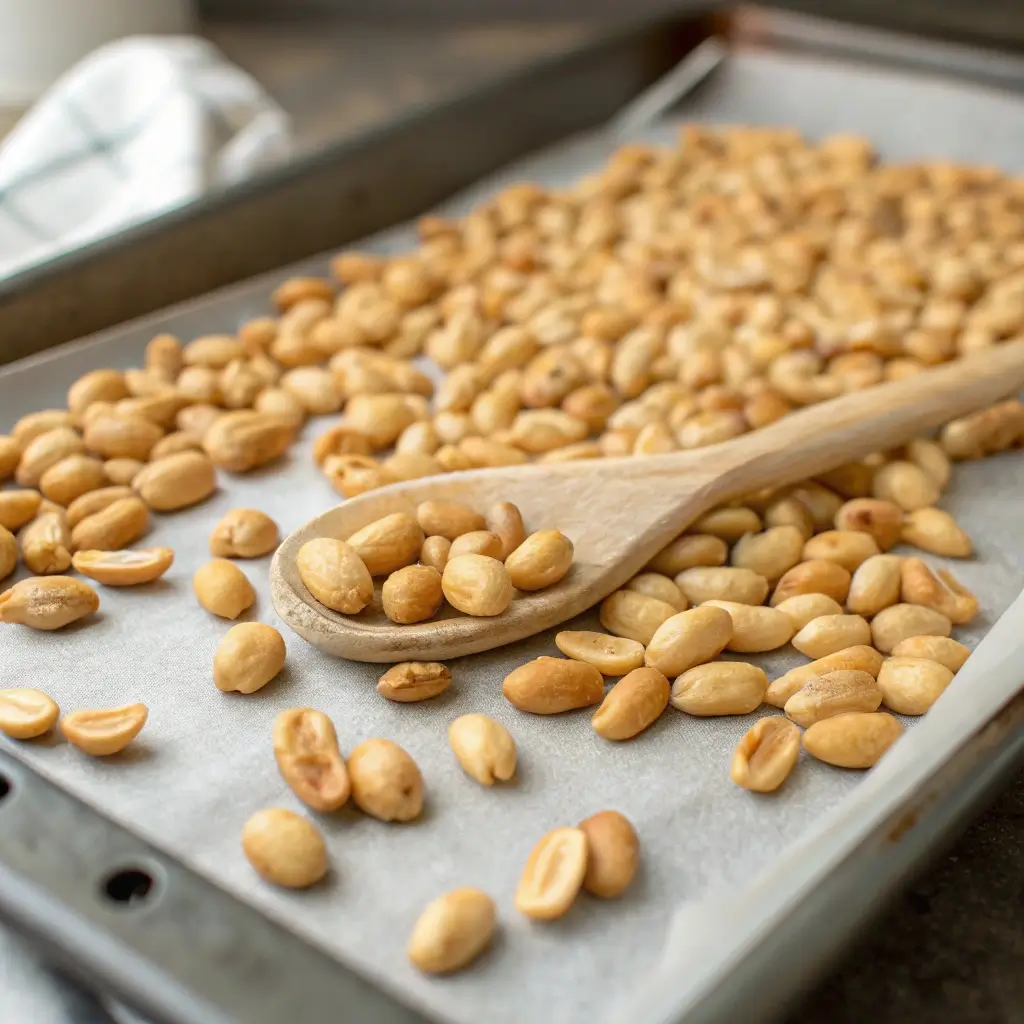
(620, 512)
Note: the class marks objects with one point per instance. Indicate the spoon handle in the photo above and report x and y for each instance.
(824, 436)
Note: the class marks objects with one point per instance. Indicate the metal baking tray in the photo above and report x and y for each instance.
(187, 952)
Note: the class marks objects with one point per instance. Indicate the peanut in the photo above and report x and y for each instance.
(935, 648)
(856, 739)
(933, 530)
(875, 585)
(244, 533)
(688, 638)
(44, 451)
(506, 521)
(940, 590)
(633, 703)
(339, 440)
(213, 351)
(766, 755)
(610, 655)
(26, 714)
(414, 681)
(769, 554)
(452, 931)
(910, 686)
(174, 444)
(284, 848)
(720, 688)
(729, 524)
(653, 584)
(477, 542)
(860, 658)
(71, 478)
(121, 472)
(223, 589)
(380, 418)
(248, 657)
(723, 583)
(122, 437)
(613, 854)
(18, 508)
(306, 749)
(828, 634)
(335, 575)
(435, 552)
(176, 481)
(45, 544)
(29, 427)
(484, 748)
(10, 456)
(102, 732)
(8, 553)
(244, 440)
(48, 602)
(477, 585)
(124, 568)
(388, 544)
(896, 623)
(412, 594)
(833, 693)
(814, 577)
(847, 547)
(93, 502)
(802, 608)
(932, 459)
(443, 519)
(789, 512)
(688, 551)
(882, 520)
(905, 484)
(540, 561)
(553, 875)
(386, 783)
(314, 388)
(549, 686)
(755, 628)
(117, 526)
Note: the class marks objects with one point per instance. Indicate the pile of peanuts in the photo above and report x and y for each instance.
(675, 299)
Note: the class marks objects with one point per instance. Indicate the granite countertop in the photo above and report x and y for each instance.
(951, 949)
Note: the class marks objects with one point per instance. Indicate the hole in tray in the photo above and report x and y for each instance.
(129, 887)
(5, 787)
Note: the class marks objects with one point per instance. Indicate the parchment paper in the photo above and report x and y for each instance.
(204, 762)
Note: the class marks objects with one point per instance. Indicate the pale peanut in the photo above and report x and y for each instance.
(771, 553)
(412, 594)
(95, 501)
(506, 521)
(284, 848)
(26, 713)
(905, 484)
(720, 688)
(855, 739)
(244, 440)
(388, 544)
(282, 405)
(223, 589)
(932, 459)
(307, 754)
(729, 524)
(613, 854)
(632, 704)
(860, 658)
(8, 553)
(722, 583)
(689, 638)
(833, 693)
(847, 547)
(102, 732)
(942, 649)
(18, 508)
(48, 602)
(335, 575)
(828, 634)
(244, 533)
(802, 608)
(477, 585)
(448, 520)
(653, 584)
(883, 520)
(124, 568)
(44, 451)
(72, 477)
(634, 616)
(248, 657)
(937, 589)
(766, 755)
(484, 748)
(875, 585)
(435, 552)
(381, 418)
(610, 655)
(414, 681)
(553, 875)
(452, 931)
(688, 551)
(386, 783)
(315, 389)
(755, 629)
(176, 481)
(476, 542)
(117, 526)
(549, 686)
(540, 561)
(789, 512)
(910, 686)
(896, 623)
(933, 530)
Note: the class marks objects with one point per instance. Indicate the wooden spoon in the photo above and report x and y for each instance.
(621, 512)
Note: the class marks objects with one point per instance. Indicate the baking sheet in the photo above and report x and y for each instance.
(711, 851)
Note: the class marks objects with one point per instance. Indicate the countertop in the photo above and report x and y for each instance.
(950, 950)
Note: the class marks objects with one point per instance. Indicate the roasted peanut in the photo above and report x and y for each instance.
(72, 477)
(8, 553)
(689, 638)
(414, 681)
(613, 854)
(176, 481)
(223, 589)
(213, 351)
(688, 551)
(875, 585)
(828, 634)
(444, 519)
(802, 608)
(117, 526)
(769, 554)
(935, 648)
(855, 739)
(910, 686)
(632, 704)
(26, 713)
(46, 544)
(766, 755)
(124, 568)
(610, 655)
(174, 444)
(386, 782)
(720, 688)
(121, 472)
(754, 628)
(46, 450)
(477, 585)
(91, 503)
(933, 530)
(380, 418)
(722, 583)
(653, 584)
(477, 542)
(18, 508)
(883, 520)
(932, 459)
(248, 657)
(306, 749)
(833, 693)
(549, 686)
(244, 533)
(388, 544)
(435, 552)
(284, 848)
(540, 561)
(10, 456)
(315, 389)
(634, 616)
(905, 484)
(412, 594)
(729, 524)
(122, 437)
(896, 623)
(937, 589)
(335, 575)
(29, 427)
(102, 732)
(553, 875)
(452, 931)
(789, 512)
(847, 547)
(860, 658)
(243, 440)
(505, 520)
(48, 602)
(814, 577)
(484, 748)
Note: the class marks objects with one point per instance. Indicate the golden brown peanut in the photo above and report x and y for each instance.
(505, 520)
(388, 544)
(833, 693)
(553, 875)
(632, 704)
(932, 459)
(653, 584)
(634, 616)
(802, 608)
(386, 783)
(847, 547)
(124, 568)
(223, 589)
(541, 430)
(435, 552)
(720, 688)
(96, 386)
(477, 585)
(174, 444)
(688, 638)
(380, 418)
(121, 472)
(164, 356)
(45, 451)
(282, 405)
(933, 530)
(8, 552)
(29, 427)
(484, 748)
(821, 503)
(143, 383)
(213, 351)
(244, 533)
(937, 589)
(93, 502)
(339, 440)
(315, 389)
(161, 407)
(335, 575)
(972, 437)
(728, 523)
(610, 655)
(72, 477)
(122, 437)
(448, 520)
(723, 583)
(613, 854)
(284, 848)
(476, 542)
(688, 551)
(789, 512)
(540, 561)
(766, 755)
(755, 628)
(176, 481)
(910, 686)
(860, 658)
(549, 686)
(117, 526)
(243, 440)
(452, 931)
(306, 749)
(818, 576)
(905, 484)
(942, 649)
(48, 602)
(46, 545)
(856, 739)
(26, 713)
(828, 634)
(351, 475)
(10, 456)
(248, 657)
(418, 438)
(297, 289)
(102, 732)
(412, 594)
(883, 520)
(414, 681)
(18, 508)
(896, 623)
(771, 553)
(875, 585)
